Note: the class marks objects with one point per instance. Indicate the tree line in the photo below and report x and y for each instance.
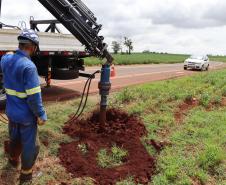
(117, 46)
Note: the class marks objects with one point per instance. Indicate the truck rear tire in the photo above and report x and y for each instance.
(64, 74)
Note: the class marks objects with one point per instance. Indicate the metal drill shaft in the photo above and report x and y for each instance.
(104, 87)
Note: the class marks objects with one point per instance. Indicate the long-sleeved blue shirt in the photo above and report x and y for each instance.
(21, 82)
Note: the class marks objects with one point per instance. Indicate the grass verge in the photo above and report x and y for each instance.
(141, 58)
(218, 58)
(148, 58)
(196, 153)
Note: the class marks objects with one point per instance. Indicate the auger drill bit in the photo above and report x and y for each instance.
(105, 87)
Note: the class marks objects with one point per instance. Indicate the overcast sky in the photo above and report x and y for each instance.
(175, 26)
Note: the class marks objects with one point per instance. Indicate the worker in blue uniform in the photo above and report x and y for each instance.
(24, 106)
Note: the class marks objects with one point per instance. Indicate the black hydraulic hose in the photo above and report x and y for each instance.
(5, 120)
(83, 93)
(79, 111)
(87, 95)
(89, 81)
(82, 104)
(3, 117)
(81, 107)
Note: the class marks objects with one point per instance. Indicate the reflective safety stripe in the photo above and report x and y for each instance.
(23, 94)
(26, 172)
(15, 93)
(33, 90)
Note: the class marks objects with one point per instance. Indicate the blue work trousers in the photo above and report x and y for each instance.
(23, 143)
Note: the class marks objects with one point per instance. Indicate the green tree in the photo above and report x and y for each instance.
(116, 46)
(129, 44)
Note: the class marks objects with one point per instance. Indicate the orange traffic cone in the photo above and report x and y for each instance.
(113, 71)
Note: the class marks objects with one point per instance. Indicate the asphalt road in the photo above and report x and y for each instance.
(125, 76)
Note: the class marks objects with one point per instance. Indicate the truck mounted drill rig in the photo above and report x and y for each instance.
(81, 22)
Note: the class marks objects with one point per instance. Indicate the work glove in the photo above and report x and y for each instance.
(41, 122)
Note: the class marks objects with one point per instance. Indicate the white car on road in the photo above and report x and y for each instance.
(197, 62)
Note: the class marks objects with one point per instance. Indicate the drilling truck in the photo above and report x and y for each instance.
(61, 55)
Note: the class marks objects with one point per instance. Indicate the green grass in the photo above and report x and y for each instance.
(196, 154)
(148, 58)
(113, 158)
(198, 145)
(140, 58)
(218, 58)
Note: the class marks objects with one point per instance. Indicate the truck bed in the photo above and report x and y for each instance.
(48, 41)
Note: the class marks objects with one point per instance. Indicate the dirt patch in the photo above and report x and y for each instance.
(48, 166)
(223, 102)
(55, 93)
(196, 182)
(122, 130)
(183, 108)
(158, 146)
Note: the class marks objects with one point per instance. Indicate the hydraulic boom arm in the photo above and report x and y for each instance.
(81, 22)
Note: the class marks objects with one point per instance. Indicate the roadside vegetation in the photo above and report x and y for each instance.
(140, 58)
(187, 115)
(218, 58)
(148, 58)
(194, 151)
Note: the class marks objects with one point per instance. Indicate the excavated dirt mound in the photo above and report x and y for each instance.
(122, 130)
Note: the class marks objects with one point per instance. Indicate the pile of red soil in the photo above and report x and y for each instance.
(122, 130)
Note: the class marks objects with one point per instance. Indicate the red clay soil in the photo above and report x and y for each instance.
(184, 108)
(122, 130)
(158, 146)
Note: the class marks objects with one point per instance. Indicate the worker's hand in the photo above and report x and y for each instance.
(41, 122)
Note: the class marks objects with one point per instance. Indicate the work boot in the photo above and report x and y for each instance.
(25, 179)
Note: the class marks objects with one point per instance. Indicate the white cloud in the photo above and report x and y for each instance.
(159, 25)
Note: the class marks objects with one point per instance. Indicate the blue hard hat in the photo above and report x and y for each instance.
(27, 36)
